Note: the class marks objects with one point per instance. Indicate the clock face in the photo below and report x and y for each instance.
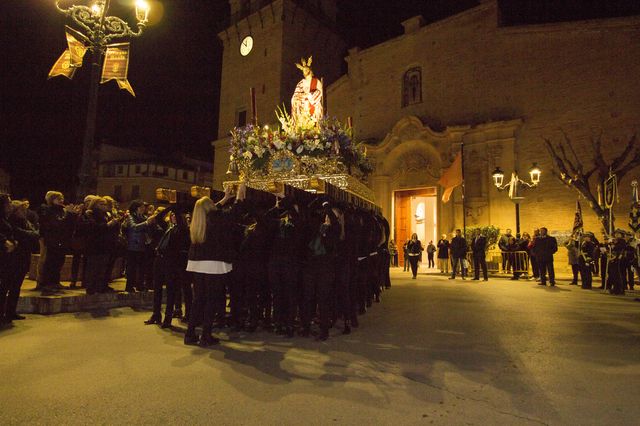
(246, 45)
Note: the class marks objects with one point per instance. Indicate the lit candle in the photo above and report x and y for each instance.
(254, 111)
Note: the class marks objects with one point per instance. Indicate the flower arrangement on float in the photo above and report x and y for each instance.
(325, 146)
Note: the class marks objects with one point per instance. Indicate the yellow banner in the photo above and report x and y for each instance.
(77, 48)
(63, 66)
(116, 66)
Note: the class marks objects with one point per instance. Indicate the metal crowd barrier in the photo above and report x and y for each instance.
(516, 261)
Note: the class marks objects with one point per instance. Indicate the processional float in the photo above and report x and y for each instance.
(308, 151)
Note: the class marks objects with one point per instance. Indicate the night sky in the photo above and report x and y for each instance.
(175, 71)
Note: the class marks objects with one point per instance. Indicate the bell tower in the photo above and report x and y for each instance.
(262, 43)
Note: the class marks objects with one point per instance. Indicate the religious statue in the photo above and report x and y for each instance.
(306, 102)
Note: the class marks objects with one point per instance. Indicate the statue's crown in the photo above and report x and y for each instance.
(305, 64)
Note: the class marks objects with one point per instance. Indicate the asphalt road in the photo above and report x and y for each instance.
(433, 352)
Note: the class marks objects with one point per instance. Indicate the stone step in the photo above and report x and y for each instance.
(76, 300)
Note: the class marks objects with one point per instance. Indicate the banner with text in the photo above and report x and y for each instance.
(116, 66)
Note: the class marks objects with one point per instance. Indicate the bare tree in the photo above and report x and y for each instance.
(570, 169)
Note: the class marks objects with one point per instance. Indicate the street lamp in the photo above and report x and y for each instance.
(515, 185)
(99, 29)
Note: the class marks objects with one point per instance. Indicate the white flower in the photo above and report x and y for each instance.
(248, 155)
(300, 149)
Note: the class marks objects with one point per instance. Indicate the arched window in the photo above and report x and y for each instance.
(412, 87)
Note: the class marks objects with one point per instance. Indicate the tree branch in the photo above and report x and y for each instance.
(579, 166)
(623, 156)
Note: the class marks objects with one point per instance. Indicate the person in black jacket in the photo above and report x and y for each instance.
(414, 250)
(319, 266)
(170, 263)
(97, 232)
(543, 249)
(479, 247)
(586, 261)
(26, 240)
(443, 254)
(285, 261)
(212, 253)
(56, 228)
(458, 254)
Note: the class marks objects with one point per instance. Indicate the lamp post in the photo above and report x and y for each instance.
(99, 29)
(515, 185)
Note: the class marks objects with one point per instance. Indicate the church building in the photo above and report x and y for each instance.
(465, 81)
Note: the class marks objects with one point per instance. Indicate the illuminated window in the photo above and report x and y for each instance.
(412, 87)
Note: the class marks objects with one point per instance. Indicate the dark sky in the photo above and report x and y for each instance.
(174, 69)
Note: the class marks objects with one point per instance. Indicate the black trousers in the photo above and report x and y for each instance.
(164, 274)
(53, 262)
(184, 292)
(431, 263)
(586, 275)
(413, 263)
(284, 279)
(454, 268)
(78, 259)
(342, 299)
(246, 281)
(135, 270)
(479, 261)
(373, 279)
(535, 269)
(575, 270)
(94, 272)
(208, 290)
(11, 278)
(546, 266)
(318, 275)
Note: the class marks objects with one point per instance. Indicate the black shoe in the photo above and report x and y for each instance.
(541, 283)
(553, 284)
(153, 320)
(191, 339)
(452, 278)
(166, 324)
(141, 289)
(475, 279)
(573, 283)
(486, 279)
(17, 317)
(208, 340)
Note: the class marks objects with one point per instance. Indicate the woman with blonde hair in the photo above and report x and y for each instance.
(214, 244)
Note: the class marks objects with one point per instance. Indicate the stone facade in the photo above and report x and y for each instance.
(498, 90)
